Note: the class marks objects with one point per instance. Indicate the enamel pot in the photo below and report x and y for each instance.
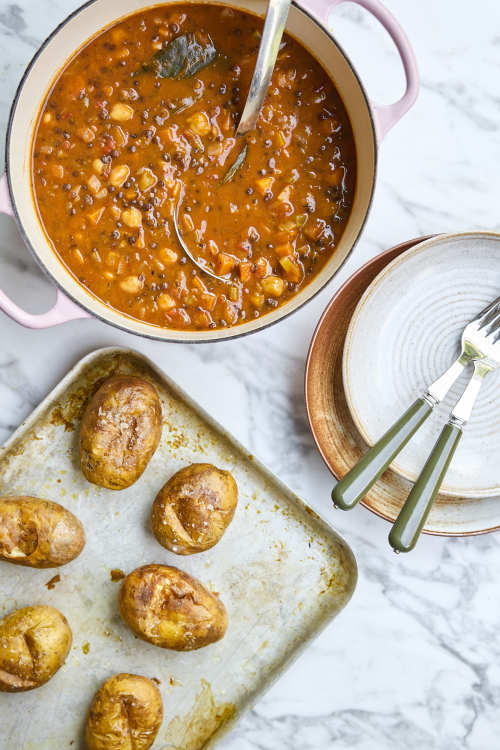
(307, 22)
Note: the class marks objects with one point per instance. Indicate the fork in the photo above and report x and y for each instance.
(478, 337)
(413, 515)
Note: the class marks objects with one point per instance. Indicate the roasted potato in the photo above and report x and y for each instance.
(170, 609)
(34, 643)
(120, 431)
(125, 713)
(38, 533)
(194, 508)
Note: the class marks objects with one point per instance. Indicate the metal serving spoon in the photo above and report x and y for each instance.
(274, 25)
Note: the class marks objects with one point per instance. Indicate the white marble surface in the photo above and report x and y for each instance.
(414, 660)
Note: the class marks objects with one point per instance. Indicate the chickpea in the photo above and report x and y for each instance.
(131, 284)
(132, 217)
(166, 302)
(147, 179)
(168, 256)
(199, 123)
(273, 286)
(119, 175)
(57, 170)
(86, 134)
(94, 184)
(121, 112)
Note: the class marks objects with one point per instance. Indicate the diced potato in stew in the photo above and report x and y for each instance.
(134, 125)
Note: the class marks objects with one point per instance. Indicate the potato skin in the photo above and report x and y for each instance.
(38, 533)
(126, 712)
(120, 431)
(34, 643)
(194, 508)
(171, 609)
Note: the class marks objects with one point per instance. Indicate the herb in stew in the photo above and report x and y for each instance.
(182, 57)
(147, 112)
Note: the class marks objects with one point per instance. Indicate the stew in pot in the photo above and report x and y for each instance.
(142, 120)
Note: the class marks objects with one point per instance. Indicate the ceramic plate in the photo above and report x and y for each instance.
(405, 332)
(337, 437)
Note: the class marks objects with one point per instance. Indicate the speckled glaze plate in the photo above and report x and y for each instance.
(405, 332)
(336, 435)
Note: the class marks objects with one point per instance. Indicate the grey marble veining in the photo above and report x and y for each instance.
(414, 661)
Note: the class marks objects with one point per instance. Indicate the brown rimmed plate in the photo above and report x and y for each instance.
(335, 434)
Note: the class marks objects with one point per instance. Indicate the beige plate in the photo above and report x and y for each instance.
(336, 435)
(282, 573)
(405, 332)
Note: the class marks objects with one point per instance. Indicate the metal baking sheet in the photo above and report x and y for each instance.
(282, 573)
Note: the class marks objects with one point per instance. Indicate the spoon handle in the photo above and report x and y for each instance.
(277, 12)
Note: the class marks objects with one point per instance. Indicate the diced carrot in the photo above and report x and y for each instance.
(178, 317)
(264, 185)
(293, 269)
(245, 269)
(315, 229)
(257, 299)
(280, 139)
(95, 216)
(284, 249)
(224, 264)
(285, 194)
(263, 268)
(201, 318)
(208, 300)
(198, 284)
(230, 314)
(282, 208)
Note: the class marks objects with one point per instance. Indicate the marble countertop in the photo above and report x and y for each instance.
(414, 660)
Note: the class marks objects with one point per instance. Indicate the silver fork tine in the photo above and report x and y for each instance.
(488, 313)
(492, 325)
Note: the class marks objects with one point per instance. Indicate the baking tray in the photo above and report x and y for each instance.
(282, 572)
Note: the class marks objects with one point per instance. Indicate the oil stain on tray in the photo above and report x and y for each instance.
(282, 573)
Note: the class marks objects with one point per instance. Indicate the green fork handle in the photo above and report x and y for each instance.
(365, 473)
(413, 514)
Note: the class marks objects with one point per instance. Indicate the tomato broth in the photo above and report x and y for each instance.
(141, 122)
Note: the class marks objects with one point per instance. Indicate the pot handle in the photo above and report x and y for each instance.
(386, 115)
(62, 311)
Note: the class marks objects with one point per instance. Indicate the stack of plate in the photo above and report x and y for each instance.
(390, 330)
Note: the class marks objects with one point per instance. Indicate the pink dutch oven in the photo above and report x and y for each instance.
(308, 23)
